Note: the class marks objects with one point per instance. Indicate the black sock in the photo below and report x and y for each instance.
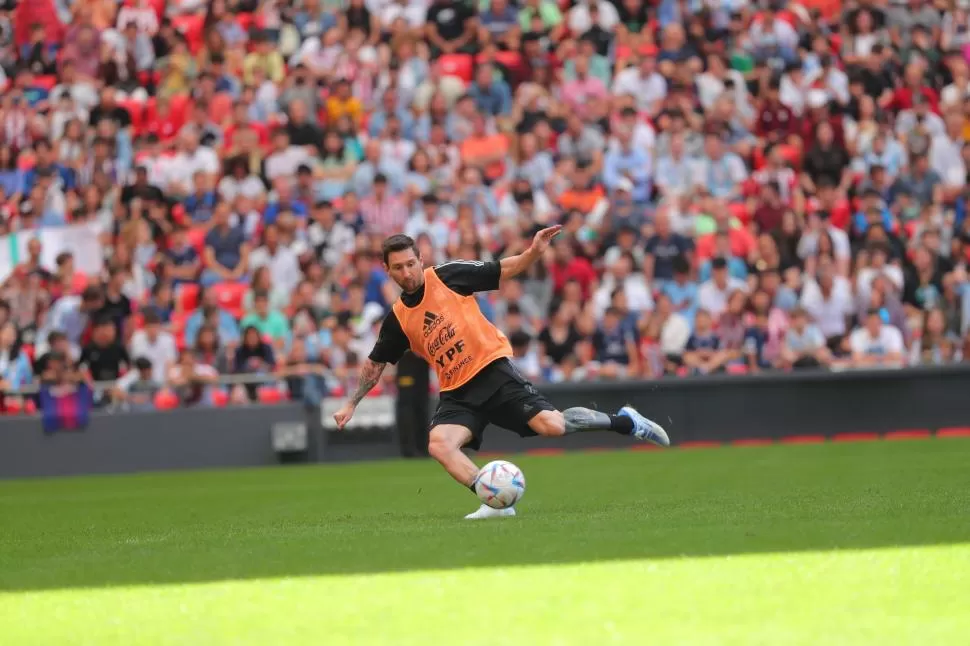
(621, 424)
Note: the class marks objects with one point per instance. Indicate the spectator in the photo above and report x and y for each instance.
(155, 344)
(191, 381)
(138, 387)
(15, 369)
(104, 357)
(71, 315)
(830, 177)
(209, 313)
(268, 322)
(935, 346)
(876, 343)
(226, 250)
(304, 376)
(702, 354)
(713, 294)
(284, 269)
(616, 348)
(804, 345)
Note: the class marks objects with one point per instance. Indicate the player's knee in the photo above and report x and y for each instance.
(549, 423)
(440, 447)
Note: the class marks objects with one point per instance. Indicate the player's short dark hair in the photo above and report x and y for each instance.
(143, 363)
(398, 242)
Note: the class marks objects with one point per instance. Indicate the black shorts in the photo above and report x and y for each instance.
(498, 395)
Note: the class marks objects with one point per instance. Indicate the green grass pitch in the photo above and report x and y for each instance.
(865, 543)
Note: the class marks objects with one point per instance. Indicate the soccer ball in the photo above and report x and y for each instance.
(500, 484)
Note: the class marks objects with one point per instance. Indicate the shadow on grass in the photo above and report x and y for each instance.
(401, 516)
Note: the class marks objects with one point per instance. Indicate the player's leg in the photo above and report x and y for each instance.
(627, 421)
(444, 445)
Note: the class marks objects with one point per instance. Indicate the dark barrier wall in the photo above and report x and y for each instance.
(711, 408)
(179, 439)
(725, 408)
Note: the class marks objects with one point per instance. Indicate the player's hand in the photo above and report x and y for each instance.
(542, 239)
(343, 415)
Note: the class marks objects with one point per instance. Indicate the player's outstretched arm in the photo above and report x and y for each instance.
(370, 374)
(515, 265)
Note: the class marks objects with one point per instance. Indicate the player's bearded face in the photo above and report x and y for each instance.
(405, 269)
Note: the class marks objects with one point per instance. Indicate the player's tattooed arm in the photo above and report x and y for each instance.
(370, 374)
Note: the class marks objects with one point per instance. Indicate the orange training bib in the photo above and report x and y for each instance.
(449, 331)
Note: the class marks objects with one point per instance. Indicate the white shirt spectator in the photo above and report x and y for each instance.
(792, 93)
(829, 314)
(283, 266)
(808, 245)
(953, 94)
(580, 21)
(332, 245)
(866, 275)
(143, 17)
(185, 165)
(710, 88)
(646, 90)
(285, 163)
(636, 289)
(947, 160)
(644, 138)
(413, 12)
(889, 341)
(722, 177)
(674, 334)
(906, 122)
(836, 82)
(230, 188)
(161, 351)
(712, 298)
(779, 34)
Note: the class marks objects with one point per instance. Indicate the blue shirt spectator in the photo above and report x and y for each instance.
(630, 164)
(491, 96)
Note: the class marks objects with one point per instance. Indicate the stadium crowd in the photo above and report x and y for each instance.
(744, 185)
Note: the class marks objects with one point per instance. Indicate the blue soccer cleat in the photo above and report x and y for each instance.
(645, 429)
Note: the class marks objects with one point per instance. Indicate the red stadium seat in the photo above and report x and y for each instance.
(191, 28)
(737, 369)
(180, 104)
(197, 239)
(459, 65)
(13, 406)
(166, 400)
(220, 398)
(30, 408)
(338, 391)
(136, 110)
(740, 211)
(270, 395)
(229, 296)
(187, 297)
(179, 319)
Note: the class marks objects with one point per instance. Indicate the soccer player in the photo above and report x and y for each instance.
(437, 318)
